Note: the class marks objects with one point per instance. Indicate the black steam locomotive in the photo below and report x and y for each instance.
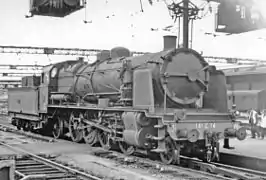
(171, 102)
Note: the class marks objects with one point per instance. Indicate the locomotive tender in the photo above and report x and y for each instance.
(170, 102)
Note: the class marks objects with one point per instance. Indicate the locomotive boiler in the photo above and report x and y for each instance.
(182, 75)
(170, 102)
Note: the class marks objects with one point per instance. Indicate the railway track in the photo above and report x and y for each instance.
(9, 128)
(34, 166)
(31, 166)
(231, 171)
(243, 172)
(206, 170)
(213, 170)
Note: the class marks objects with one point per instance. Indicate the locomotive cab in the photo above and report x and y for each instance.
(45, 75)
(60, 79)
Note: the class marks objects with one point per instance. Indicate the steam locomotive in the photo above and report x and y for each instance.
(170, 102)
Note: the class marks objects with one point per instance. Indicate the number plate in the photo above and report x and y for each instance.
(205, 125)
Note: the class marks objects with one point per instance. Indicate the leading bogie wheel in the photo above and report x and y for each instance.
(58, 127)
(168, 157)
(105, 140)
(125, 148)
(75, 128)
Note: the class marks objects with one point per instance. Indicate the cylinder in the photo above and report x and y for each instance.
(169, 42)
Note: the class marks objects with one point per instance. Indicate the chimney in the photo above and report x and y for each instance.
(169, 42)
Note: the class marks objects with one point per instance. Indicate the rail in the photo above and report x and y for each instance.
(210, 170)
(229, 170)
(49, 163)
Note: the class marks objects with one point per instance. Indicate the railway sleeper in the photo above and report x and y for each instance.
(211, 168)
(235, 174)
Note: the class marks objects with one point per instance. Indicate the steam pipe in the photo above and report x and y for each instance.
(185, 23)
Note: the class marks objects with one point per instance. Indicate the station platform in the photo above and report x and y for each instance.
(249, 153)
(249, 147)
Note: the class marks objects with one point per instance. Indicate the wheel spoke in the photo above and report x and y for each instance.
(105, 140)
(58, 128)
(125, 148)
(168, 157)
(74, 130)
(90, 135)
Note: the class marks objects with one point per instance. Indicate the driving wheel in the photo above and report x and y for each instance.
(58, 127)
(90, 135)
(75, 128)
(104, 139)
(168, 156)
(125, 148)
